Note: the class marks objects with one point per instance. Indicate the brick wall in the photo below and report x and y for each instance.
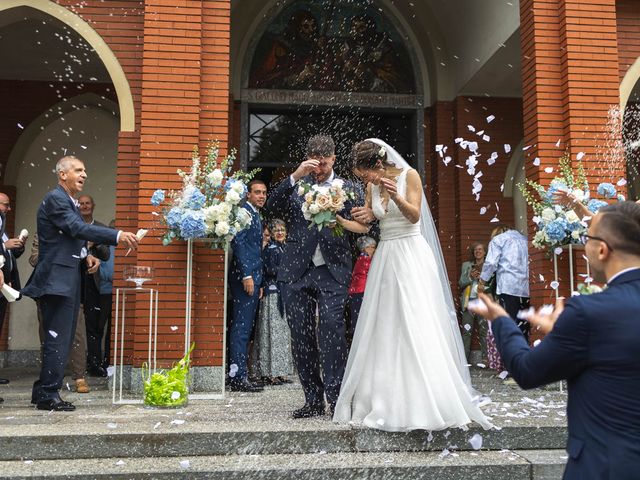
(569, 53)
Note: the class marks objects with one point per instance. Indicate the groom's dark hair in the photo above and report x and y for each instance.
(620, 226)
(320, 146)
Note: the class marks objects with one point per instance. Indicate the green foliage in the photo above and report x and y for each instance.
(170, 388)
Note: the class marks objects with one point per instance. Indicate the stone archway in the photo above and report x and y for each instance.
(515, 175)
(630, 113)
(106, 55)
(275, 103)
(95, 141)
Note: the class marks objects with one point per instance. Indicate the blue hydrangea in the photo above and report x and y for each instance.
(157, 198)
(557, 230)
(607, 190)
(192, 224)
(594, 205)
(173, 217)
(554, 187)
(196, 200)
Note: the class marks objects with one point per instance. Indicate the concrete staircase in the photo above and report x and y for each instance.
(253, 436)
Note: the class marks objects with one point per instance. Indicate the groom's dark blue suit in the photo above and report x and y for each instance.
(304, 284)
(595, 346)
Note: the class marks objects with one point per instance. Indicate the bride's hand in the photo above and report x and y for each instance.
(390, 186)
(363, 215)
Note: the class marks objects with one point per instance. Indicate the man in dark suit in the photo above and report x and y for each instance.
(55, 281)
(90, 287)
(12, 248)
(245, 278)
(593, 344)
(315, 271)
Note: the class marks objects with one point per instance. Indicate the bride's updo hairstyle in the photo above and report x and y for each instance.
(367, 154)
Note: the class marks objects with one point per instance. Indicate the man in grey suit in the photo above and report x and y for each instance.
(55, 282)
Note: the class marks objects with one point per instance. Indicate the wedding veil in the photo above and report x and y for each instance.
(430, 234)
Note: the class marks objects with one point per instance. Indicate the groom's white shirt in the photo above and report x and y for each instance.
(317, 258)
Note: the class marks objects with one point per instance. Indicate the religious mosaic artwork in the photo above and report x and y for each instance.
(335, 46)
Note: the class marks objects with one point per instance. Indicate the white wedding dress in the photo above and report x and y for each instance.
(402, 373)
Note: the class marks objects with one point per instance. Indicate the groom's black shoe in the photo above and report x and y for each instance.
(4, 381)
(244, 385)
(309, 410)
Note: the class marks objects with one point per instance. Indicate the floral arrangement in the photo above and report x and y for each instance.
(209, 203)
(558, 225)
(587, 288)
(170, 388)
(322, 203)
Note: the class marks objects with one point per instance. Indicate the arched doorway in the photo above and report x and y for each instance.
(630, 111)
(333, 67)
(61, 89)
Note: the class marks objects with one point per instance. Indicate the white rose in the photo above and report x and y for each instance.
(300, 190)
(215, 177)
(238, 187)
(548, 215)
(222, 228)
(572, 217)
(225, 209)
(575, 234)
(306, 215)
(232, 197)
(337, 183)
(314, 208)
(578, 194)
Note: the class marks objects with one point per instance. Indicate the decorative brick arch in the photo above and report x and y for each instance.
(111, 63)
(628, 83)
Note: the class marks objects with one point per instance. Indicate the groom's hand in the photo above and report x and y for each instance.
(305, 168)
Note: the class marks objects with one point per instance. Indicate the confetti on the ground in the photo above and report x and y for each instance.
(476, 441)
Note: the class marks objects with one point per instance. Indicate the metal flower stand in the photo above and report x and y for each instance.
(118, 342)
(570, 248)
(187, 316)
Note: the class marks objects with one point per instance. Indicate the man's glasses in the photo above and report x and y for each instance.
(584, 238)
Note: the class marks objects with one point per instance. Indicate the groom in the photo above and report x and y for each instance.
(315, 270)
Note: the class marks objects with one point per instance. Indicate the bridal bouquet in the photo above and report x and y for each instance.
(322, 203)
(209, 203)
(558, 225)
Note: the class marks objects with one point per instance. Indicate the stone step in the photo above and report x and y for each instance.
(94, 441)
(494, 465)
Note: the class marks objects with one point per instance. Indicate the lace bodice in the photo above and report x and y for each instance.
(393, 223)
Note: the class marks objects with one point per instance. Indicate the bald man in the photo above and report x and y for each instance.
(55, 282)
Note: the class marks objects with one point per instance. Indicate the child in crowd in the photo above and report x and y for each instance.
(366, 247)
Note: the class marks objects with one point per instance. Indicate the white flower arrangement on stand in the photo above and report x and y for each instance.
(209, 205)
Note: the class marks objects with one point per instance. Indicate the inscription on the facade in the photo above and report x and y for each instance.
(303, 97)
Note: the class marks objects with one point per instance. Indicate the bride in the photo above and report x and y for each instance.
(407, 368)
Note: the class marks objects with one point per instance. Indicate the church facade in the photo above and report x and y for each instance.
(132, 86)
